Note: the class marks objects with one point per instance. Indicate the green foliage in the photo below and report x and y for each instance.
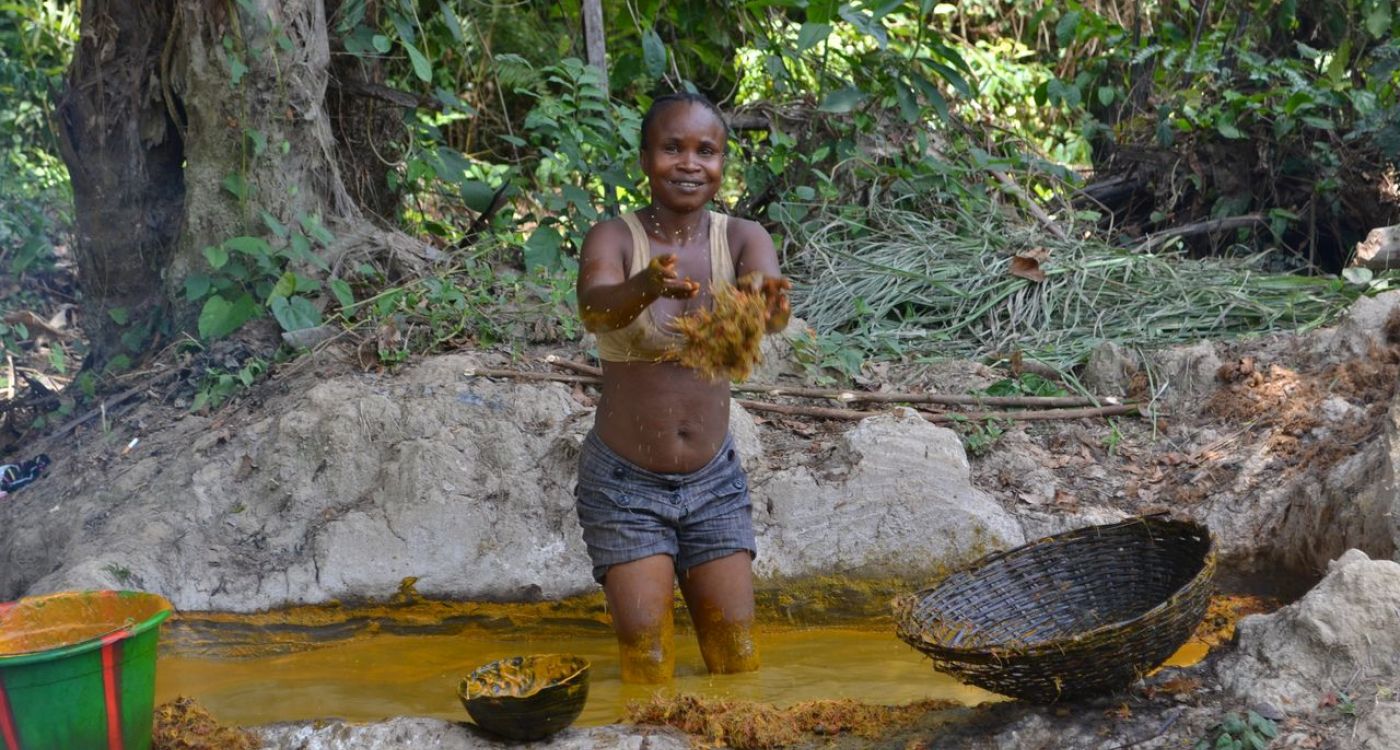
(1026, 384)
(1235, 732)
(471, 300)
(979, 437)
(588, 148)
(217, 386)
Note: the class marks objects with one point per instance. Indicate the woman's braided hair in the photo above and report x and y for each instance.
(680, 97)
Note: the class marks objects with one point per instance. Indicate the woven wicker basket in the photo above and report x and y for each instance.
(1083, 612)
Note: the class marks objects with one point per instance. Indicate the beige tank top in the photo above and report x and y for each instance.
(643, 340)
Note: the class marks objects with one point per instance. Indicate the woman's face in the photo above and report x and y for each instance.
(684, 157)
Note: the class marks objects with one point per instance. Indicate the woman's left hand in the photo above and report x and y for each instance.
(775, 293)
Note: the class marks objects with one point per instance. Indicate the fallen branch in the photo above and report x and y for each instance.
(827, 412)
(890, 397)
(1157, 239)
(1030, 204)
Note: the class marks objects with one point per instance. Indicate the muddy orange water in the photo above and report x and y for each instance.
(316, 670)
(377, 676)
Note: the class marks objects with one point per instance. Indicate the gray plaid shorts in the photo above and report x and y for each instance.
(628, 513)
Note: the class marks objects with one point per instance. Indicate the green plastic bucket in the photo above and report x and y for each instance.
(78, 670)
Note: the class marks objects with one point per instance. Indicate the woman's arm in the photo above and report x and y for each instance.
(607, 298)
(758, 256)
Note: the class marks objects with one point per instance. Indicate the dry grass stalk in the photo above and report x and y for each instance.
(723, 342)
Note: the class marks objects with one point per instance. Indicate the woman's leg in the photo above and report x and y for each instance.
(641, 597)
(719, 594)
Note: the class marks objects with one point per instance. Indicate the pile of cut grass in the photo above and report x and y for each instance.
(901, 282)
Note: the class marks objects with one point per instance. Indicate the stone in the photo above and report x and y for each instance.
(407, 733)
(340, 491)
(894, 498)
(1109, 370)
(1341, 636)
(1380, 250)
(1189, 373)
(780, 354)
(1361, 329)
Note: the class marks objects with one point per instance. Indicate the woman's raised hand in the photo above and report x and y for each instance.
(661, 273)
(775, 294)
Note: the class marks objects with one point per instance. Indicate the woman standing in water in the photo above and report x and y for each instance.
(661, 493)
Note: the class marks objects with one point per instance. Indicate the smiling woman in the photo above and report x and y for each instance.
(661, 492)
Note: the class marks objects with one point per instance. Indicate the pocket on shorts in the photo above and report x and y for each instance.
(604, 498)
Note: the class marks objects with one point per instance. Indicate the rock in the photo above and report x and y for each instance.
(1189, 373)
(1378, 728)
(1342, 636)
(417, 733)
(344, 489)
(1110, 370)
(1362, 329)
(895, 498)
(779, 354)
(1301, 524)
(1380, 250)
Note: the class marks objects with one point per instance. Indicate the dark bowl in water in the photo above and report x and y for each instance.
(526, 697)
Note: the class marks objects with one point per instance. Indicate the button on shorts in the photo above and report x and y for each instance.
(628, 513)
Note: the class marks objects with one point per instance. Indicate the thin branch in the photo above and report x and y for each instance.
(1030, 204)
(1157, 239)
(827, 412)
(863, 397)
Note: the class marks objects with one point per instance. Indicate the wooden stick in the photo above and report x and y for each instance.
(10, 388)
(848, 396)
(1031, 205)
(834, 413)
(1152, 241)
(1033, 416)
(798, 410)
(569, 364)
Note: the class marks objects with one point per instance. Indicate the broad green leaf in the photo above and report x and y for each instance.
(275, 226)
(1360, 276)
(542, 249)
(1378, 18)
(58, 360)
(118, 315)
(235, 184)
(842, 100)
(811, 35)
(450, 18)
(313, 226)
(343, 294)
(477, 195)
(196, 286)
(258, 139)
(421, 67)
(1067, 28)
(286, 286)
(220, 317)
(1228, 129)
(908, 103)
(653, 53)
(216, 255)
(1321, 123)
(236, 69)
(381, 43)
(864, 22)
(296, 313)
(1106, 95)
(248, 245)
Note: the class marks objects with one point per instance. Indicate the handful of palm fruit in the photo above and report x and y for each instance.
(722, 343)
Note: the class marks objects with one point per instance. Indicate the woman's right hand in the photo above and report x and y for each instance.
(665, 282)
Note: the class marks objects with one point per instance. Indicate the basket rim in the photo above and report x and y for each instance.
(960, 653)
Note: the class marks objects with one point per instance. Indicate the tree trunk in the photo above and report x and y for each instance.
(123, 153)
(594, 36)
(258, 139)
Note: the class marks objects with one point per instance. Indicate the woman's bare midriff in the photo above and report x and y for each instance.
(661, 416)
